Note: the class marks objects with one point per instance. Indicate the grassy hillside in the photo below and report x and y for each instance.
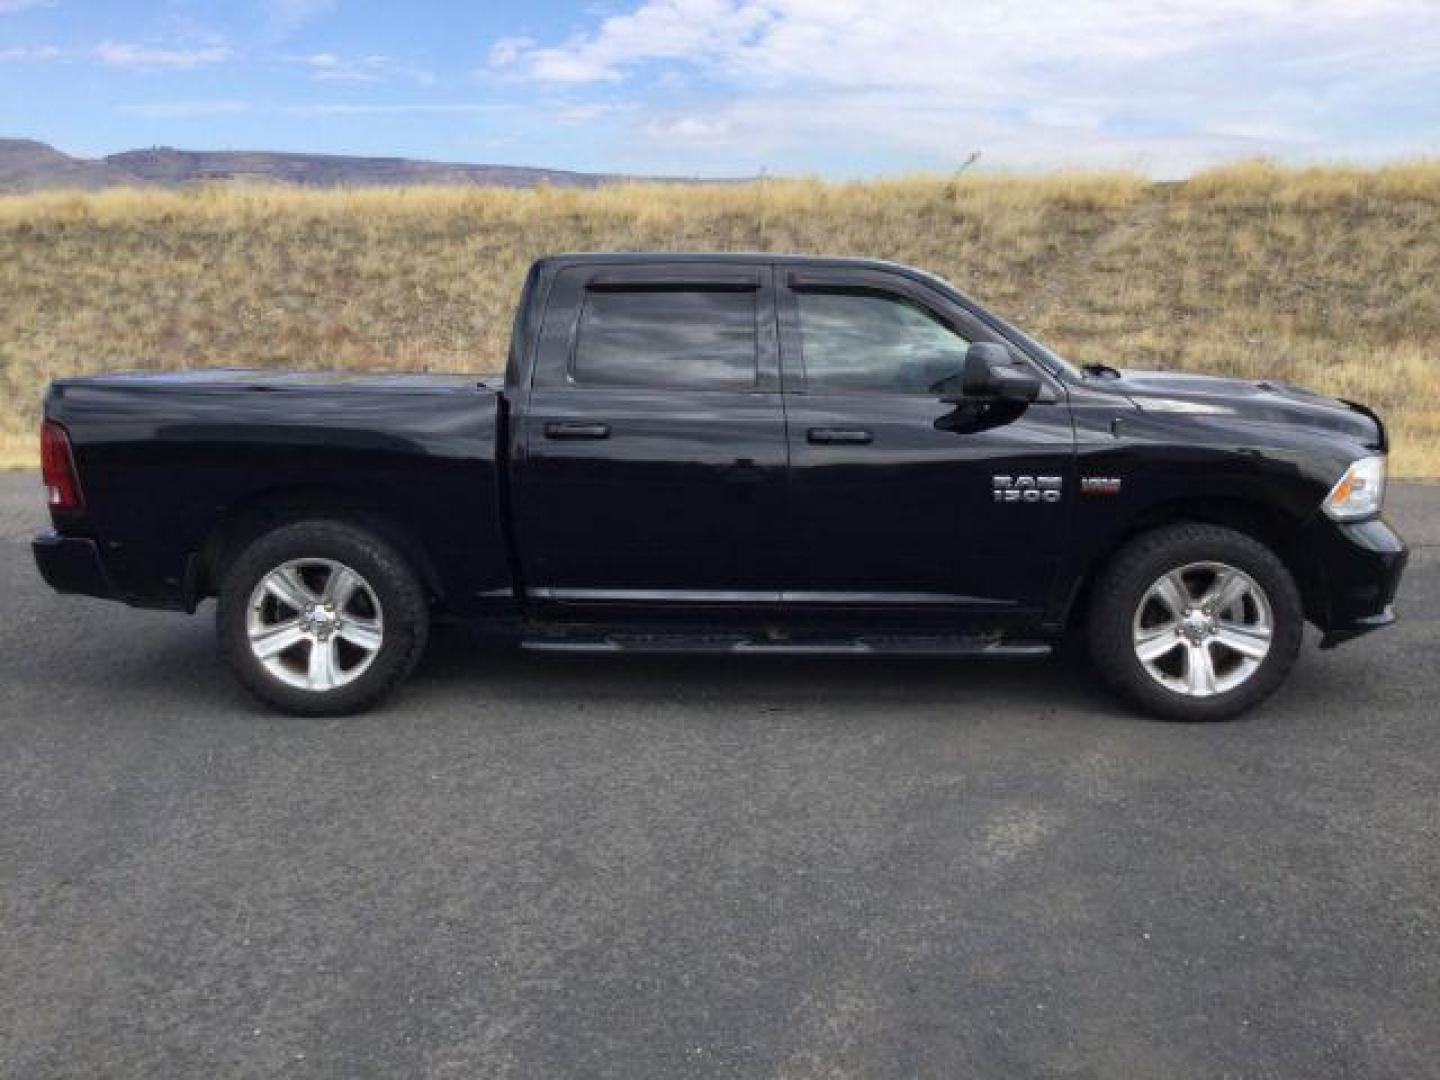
(1328, 277)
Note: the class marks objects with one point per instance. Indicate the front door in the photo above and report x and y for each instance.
(899, 498)
(653, 438)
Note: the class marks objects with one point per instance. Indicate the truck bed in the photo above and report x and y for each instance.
(174, 460)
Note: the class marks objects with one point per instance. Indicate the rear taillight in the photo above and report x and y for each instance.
(57, 468)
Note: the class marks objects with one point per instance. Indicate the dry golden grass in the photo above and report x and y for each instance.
(1324, 276)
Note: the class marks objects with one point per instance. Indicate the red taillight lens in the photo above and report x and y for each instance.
(57, 468)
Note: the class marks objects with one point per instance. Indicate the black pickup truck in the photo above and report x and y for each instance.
(739, 454)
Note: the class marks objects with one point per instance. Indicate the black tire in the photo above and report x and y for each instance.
(1126, 579)
(402, 599)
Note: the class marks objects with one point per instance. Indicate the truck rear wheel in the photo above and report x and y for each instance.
(321, 618)
(1195, 622)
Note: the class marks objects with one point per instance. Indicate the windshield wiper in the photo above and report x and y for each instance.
(1101, 371)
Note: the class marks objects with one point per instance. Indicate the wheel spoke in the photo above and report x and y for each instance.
(362, 633)
(1199, 671)
(273, 640)
(1154, 642)
(1172, 592)
(287, 586)
(322, 668)
(340, 586)
(1225, 633)
(1228, 589)
(1251, 641)
(286, 612)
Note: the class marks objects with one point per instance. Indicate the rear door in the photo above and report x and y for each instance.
(899, 498)
(652, 451)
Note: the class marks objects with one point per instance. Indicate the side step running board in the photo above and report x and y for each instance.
(889, 645)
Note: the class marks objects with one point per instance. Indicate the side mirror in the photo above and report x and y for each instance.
(991, 372)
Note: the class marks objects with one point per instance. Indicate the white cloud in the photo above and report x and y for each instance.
(418, 108)
(920, 42)
(586, 113)
(182, 110)
(286, 16)
(1163, 85)
(747, 135)
(126, 54)
(689, 30)
(693, 129)
(509, 49)
(34, 54)
(328, 67)
(1068, 114)
(1261, 130)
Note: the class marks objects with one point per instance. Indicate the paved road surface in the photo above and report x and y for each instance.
(553, 867)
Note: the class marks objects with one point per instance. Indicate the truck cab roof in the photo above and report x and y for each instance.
(640, 257)
(563, 260)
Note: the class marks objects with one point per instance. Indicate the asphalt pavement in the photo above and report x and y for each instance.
(556, 866)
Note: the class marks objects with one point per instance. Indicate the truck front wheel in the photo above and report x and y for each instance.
(321, 618)
(1195, 622)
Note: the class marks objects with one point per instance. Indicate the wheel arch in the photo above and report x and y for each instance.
(1262, 522)
(263, 512)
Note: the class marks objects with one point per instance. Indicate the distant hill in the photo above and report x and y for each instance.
(27, 165)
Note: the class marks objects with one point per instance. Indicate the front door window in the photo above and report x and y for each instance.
(874, 343)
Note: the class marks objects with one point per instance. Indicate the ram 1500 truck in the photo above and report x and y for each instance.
(738, 454)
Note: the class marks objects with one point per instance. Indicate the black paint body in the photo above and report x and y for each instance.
(535, 501)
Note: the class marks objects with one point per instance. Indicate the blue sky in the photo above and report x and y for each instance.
(733, 87)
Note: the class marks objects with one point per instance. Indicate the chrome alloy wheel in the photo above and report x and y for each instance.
(315, 624)
(1203, 629)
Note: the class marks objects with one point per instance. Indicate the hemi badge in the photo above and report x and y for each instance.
(1099, 485)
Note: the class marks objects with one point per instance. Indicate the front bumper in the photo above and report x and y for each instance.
(1359, 566)
(72, 564)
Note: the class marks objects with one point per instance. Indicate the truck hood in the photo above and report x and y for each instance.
(1263, 400)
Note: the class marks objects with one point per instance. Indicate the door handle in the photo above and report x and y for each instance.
(839, 436)
(571, 430)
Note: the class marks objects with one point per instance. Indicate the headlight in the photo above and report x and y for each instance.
(1360, 492)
